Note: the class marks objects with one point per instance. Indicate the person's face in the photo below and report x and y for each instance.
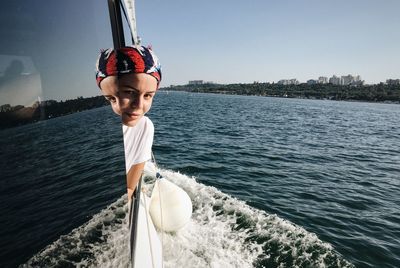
(130, 95)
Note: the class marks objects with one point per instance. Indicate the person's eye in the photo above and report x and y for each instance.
(148, 96)
(111, 99)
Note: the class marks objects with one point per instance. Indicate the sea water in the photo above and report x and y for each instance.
(274, 183)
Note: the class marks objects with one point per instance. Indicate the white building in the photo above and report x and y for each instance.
(334, 80)
(196, 82)
(286, 82)
(351, 80)
(346, 80)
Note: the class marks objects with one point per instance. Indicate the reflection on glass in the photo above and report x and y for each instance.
(50, 172)
(20, 87)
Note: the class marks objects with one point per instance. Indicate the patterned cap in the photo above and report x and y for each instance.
(127, 60)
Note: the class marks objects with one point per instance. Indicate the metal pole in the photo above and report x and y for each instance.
(114, 8)
(133, 219)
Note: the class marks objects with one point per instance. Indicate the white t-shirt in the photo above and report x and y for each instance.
(137, 142)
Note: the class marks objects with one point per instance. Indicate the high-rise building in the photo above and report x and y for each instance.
(351, 80)
(196, 82)
(357, 81)
(322, 80)
(346, 80)
(334, 80)
(286, 82)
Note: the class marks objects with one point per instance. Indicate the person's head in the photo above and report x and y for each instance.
(129, 78)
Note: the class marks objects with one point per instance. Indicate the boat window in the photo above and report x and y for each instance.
(61, 149)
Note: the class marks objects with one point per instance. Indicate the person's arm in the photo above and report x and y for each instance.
(132, 178)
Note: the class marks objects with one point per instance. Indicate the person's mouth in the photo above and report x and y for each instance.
(133, 115)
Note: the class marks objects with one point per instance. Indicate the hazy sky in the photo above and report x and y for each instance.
(221, 41)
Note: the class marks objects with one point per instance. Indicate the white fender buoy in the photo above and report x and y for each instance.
(150, 169)
(175, 208)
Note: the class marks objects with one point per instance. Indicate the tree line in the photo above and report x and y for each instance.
(371, 93)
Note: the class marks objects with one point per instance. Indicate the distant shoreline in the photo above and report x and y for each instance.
(12, 116)
(166, 90)
(380, 93)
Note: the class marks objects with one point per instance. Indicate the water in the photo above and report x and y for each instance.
(274, 183)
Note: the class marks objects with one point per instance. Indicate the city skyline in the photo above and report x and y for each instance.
(319, 80)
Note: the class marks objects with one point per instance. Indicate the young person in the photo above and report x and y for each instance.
(129, 78)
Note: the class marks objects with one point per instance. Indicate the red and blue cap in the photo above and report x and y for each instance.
(127, 60)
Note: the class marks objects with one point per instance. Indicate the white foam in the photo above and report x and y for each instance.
(208, 240)
(223, 232)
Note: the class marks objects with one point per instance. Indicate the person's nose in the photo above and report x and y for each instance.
(137, 102)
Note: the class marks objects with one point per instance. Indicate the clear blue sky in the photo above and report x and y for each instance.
(244, 41)
(221, 41)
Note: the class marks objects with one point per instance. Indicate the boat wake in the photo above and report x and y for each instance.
(223, 232)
